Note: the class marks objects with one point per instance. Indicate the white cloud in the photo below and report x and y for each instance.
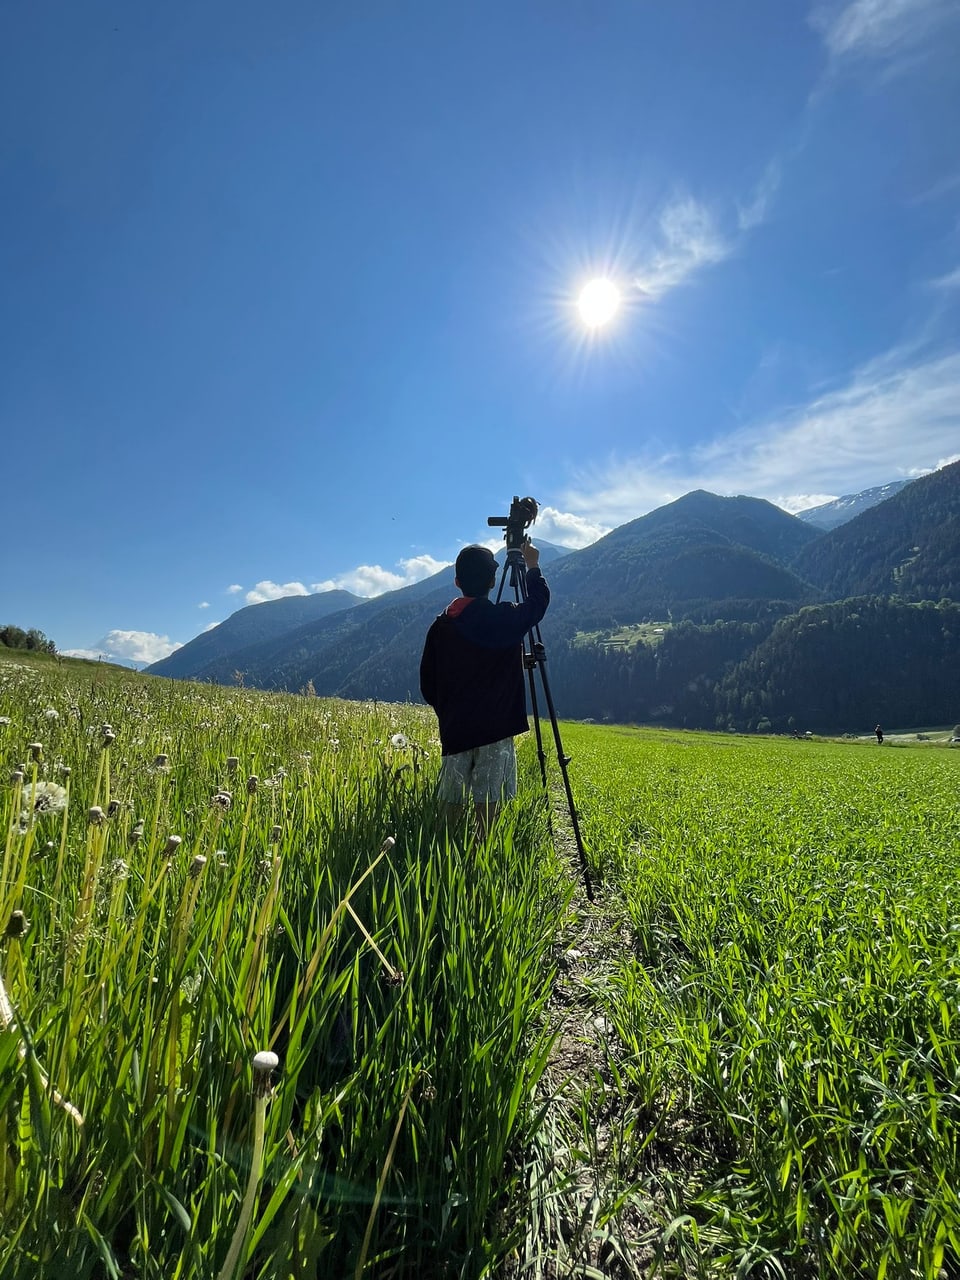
(877, 28)
(274, 591)
(234, 589)
(139, 647)
(804, 501)
(893, 418)
(567, 529)
(374, 580)
(211, 626)
(690, 240)
(204, 604)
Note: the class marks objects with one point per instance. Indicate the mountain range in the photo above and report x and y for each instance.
(832, 514)
(700, 560)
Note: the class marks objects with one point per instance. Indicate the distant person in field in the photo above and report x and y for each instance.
(472, 674)
(879, 732)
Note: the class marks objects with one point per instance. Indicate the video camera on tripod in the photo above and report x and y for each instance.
(523, 512)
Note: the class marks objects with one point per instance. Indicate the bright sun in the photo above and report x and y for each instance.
(598, 302)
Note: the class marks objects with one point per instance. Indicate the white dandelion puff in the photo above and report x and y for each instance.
(44, 798)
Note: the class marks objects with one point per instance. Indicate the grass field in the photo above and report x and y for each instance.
(742, 1060)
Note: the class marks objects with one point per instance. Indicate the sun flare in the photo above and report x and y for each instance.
(599, 302)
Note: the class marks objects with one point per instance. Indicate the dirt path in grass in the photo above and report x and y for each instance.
(588, 1216)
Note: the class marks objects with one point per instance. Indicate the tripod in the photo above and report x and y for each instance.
(534, 659)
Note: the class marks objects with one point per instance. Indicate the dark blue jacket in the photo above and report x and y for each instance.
(471, 671)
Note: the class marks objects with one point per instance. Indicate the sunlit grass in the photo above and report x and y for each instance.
(236, 873)
(765, 1076)
(786, 1027)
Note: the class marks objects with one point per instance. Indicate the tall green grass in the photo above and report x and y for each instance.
(786, 1034)
(762, 1076)
(235, 873)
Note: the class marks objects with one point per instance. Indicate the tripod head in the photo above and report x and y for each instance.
(523, 512)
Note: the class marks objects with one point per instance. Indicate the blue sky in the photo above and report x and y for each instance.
(289, 292)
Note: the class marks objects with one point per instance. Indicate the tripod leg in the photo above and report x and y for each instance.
(564, 760)
(533, 659)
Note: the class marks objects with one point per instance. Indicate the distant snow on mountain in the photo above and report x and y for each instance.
(833, 514)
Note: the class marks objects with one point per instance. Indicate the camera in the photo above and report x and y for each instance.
(523, 512)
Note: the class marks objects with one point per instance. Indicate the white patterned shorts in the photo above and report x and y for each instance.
(485, 775)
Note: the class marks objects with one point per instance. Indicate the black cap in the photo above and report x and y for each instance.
(476, 569)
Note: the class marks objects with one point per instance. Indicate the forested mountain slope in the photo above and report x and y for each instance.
(908, 546)
(692, 558)
(255, 624)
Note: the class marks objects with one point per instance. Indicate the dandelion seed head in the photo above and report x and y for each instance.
(95, 815)
(252, 783)
(264, 1065)
(172, 845)
(42, 798)
(35, 749)
(18, 926)
(51, 713)
(399, 741)
(196, 866)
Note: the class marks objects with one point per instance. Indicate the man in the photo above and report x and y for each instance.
(472, 674)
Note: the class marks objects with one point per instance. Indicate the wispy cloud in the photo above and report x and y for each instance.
(895, 416)
(689, 239)
(138, 647)
(374, 580)
(947, 282)
(204, 604)
(879, 29)
(756, 209)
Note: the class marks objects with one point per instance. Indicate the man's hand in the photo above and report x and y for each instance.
(531, 555)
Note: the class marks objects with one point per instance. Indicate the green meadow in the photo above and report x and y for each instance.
(262, 1016)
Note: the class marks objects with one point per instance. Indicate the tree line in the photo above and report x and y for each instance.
(12, 637)
(831, 668)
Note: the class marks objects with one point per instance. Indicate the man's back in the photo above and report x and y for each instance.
(471, 671)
